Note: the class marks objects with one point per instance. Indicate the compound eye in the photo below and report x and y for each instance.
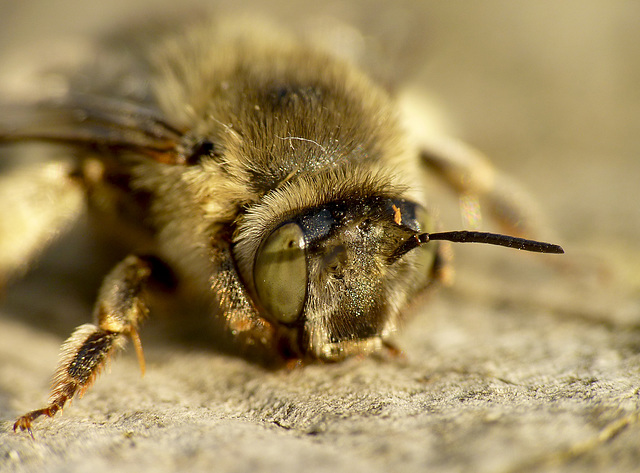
(280, 273)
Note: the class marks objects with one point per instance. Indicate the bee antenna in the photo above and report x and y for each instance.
(418, 239)
(492, 239)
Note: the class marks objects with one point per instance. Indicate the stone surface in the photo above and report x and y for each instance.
(525, 364)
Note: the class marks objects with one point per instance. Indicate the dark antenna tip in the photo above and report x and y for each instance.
(492, 239)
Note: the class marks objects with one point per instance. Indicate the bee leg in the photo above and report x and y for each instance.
(471, 175)
(468, 172)
(118, 312)
(253, 333)
(38, 202)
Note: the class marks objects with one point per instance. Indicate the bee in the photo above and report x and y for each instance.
(261, 171)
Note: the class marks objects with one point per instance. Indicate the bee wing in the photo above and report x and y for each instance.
(94, 122)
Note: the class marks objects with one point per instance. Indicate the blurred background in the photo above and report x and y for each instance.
(550, 91)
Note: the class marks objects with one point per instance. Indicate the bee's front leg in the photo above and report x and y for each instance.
(478, 184)
(118, 312)
(477, 181)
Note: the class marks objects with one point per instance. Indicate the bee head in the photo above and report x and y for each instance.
(334, 274)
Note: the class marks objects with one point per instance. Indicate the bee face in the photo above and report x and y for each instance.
(356, 286)
(331, 274)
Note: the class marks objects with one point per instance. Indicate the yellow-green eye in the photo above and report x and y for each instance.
(280, 273)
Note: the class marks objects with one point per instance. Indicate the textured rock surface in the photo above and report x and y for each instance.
(523, 365)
